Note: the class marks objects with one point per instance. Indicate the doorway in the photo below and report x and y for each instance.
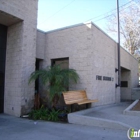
(64, 64)
(37, 67)
(125, 84)
(3, 38)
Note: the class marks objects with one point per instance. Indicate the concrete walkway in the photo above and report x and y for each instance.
(12, 128)
(115, 113)
(109, 116)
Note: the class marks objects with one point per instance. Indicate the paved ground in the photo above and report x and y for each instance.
(115, 113)
(12, 128)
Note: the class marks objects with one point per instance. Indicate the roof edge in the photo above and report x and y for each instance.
(80, 24)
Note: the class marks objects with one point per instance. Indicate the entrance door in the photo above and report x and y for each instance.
(3, 37)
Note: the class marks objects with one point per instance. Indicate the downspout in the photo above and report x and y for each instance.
(118, 48)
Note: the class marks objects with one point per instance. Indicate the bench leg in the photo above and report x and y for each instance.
(86, 106)
(71, 108)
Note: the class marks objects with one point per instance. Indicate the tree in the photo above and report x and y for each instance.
(56, 79)
(129, 26)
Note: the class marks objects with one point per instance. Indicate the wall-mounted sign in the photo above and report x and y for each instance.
(98, 77)
(104, 78)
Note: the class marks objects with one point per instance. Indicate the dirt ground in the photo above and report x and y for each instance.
(136, 107)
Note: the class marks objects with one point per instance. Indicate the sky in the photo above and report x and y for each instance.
(54, 14)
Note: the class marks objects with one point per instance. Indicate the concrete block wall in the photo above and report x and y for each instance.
(71, 43)
(103, 64)
(126, 91)
(13, 75)
(40, 43)
(88, 55)
(130, 63)
(20, 56)
(91, 52)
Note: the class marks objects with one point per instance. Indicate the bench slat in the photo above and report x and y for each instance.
(81, 102)
(73, 101)
(74, 95)
(79, 97)
(87, 101)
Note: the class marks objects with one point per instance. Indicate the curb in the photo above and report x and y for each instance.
(128, 110)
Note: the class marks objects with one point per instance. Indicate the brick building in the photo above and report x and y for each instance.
(83, 47)
(93, 54)
(18, 22)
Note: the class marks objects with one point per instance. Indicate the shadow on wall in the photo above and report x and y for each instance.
(125, 84)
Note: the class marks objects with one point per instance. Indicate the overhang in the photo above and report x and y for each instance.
(7, 19)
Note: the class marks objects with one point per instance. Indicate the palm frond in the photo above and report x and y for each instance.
(35, 75)
(56, 78)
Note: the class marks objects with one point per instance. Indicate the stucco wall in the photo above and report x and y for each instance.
(20, 55)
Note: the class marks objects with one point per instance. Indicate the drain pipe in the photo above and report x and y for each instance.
(118, 48)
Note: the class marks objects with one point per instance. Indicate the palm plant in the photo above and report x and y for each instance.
(56, 79)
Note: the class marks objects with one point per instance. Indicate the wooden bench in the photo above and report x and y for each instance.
(77, 97)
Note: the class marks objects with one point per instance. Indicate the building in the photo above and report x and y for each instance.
(93, 54)
(83, 47)
(18, 22)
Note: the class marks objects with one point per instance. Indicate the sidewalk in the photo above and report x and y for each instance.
(109, 116)
(12, 128)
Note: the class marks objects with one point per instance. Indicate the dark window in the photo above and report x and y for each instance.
(124, 83)
(63, 61)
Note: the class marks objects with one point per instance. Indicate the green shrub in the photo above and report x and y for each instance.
(53, 115)
(41, 114)
(45, 114)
